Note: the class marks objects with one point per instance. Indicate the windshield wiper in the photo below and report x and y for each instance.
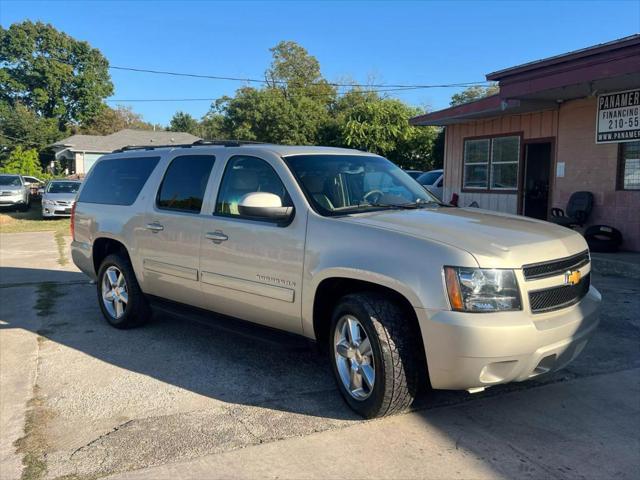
(404, 206)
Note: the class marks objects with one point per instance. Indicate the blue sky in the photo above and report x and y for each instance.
(392, 42)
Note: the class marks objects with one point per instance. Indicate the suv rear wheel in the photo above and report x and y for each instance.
(122, 302)
(373, 354)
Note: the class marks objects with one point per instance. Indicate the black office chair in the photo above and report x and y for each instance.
(578, 210)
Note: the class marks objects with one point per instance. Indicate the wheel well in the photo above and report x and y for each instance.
(331, 290)
(102, 247)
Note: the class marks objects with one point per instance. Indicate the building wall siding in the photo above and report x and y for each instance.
(588, 166)
(531, 125)
(593, 167)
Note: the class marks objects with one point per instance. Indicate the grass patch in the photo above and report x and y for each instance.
(31, 221)
(33, 444)
(62, 247)
(48, 294)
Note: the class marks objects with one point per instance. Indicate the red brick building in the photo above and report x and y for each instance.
(558, 125)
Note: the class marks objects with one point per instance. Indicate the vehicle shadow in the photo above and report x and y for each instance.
(236, 367)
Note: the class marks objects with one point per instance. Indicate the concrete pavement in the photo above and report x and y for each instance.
(190, 401)
(563, 430)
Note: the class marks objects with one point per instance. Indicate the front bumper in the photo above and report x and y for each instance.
(55, 211)
(467, 351)
(12, 200)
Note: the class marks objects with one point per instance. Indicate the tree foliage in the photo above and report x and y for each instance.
(24, 162)
(110, 120)
(298, 106)
(51, 73)
(22, 126)
(183, 122)
(473, 93)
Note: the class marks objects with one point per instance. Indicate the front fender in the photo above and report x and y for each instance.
(411, 266)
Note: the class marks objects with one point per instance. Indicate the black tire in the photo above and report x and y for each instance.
(137, 310)
(395, 347)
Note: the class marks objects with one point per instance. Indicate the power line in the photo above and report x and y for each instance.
(282, 82)
(309, 94)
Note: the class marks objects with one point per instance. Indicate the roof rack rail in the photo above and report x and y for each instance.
(197, 143)
(227, 143)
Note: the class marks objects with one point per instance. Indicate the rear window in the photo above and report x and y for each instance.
(429, 178)
(117, 181)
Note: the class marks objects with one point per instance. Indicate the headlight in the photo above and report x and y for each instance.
(482, 290)
(48, 202)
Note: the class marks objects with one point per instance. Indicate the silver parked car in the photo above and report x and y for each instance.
(342, 247)
(432, 181)
(14, 192)
(58, 198)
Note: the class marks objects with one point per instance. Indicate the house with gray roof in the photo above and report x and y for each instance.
(78, 153)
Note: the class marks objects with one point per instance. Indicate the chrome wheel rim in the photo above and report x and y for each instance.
(114, 292)
(354, 357)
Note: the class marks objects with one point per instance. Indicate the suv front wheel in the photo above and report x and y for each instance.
(373, 354)
(122, 302)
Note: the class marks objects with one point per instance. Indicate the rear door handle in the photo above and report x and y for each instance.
(155, 227)
(217, 236)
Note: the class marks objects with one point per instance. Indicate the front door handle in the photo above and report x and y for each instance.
(155, 227)
(217, 236)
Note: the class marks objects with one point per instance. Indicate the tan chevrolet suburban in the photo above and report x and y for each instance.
(342, 247)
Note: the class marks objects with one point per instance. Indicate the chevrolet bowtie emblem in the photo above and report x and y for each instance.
(572, 278)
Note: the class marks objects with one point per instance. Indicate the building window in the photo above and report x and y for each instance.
(629, 166)
(491, 163)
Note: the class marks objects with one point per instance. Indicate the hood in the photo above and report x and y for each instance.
(496, 240)
(11, 188)
(64, 197)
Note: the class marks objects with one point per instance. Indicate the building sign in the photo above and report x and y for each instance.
(618, 117)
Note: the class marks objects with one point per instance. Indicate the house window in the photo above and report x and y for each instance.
(629, 166)
(491, 163)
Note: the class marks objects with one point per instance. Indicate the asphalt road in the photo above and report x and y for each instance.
(177, 399)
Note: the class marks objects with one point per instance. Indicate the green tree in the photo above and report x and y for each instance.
(110, 120)
(183, 122)
(24, 162)
(51, 73)
(381, 125)
(292, 109)
(21, 126)
(473, 93)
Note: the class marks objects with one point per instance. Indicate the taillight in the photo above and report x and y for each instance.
(73, 220)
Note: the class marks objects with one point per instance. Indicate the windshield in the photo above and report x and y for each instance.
(340, 184)
(429, 178)
(10, 180)
(63, 187)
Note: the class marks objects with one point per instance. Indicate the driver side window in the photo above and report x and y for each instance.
(243, 175)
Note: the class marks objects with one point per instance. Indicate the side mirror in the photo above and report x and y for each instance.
(263, 205)
(40, 191)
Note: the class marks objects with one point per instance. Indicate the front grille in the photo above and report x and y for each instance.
(555, 267)
(7, 194)
(555, 298)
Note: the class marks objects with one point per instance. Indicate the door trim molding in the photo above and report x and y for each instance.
(248, 286)
(170, 269)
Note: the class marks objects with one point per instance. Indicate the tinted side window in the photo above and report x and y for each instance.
(184, 183)
(247, 175)
(117, 181)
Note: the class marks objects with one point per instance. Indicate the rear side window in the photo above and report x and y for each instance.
(117, 181)
(184, 183)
